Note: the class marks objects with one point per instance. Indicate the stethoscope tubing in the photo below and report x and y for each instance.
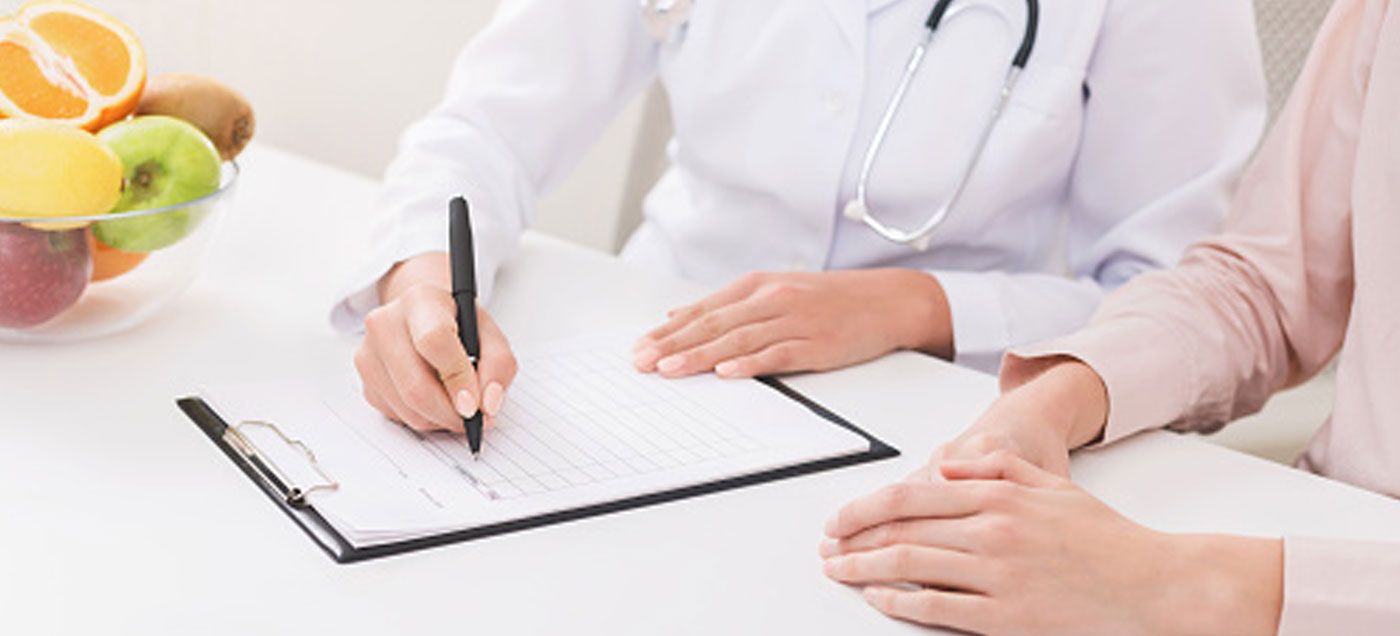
(858, 208)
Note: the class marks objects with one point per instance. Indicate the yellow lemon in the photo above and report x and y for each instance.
(52, 170)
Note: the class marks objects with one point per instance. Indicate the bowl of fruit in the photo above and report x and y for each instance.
(112, 184)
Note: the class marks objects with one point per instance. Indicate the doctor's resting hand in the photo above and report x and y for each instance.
(993, 538)
(412, 364)
(765, 323)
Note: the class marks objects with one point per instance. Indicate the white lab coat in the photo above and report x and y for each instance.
(1129, 127)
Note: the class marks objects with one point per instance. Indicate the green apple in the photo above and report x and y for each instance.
(167, 161)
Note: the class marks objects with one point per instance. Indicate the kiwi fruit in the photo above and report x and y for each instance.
(212, 106)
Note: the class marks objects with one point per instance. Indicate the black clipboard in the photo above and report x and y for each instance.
(291, 498)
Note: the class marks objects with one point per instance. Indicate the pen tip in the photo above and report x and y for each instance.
(476, 456)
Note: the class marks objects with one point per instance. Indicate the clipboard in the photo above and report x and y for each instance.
(291, 497)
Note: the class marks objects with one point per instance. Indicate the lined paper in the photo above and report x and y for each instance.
(580, 426)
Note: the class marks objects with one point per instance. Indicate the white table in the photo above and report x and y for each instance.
(119, 516)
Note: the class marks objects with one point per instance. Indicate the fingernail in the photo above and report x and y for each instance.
(829, 548)
(466, 403)
(645, 359)
(670, 364)
(727, 369)
(494, 397)
(831, 527)
(833, 565)
(641, 344)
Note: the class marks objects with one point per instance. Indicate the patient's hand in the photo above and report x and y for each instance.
(775, 323)
(1060, 405)
(999, 546)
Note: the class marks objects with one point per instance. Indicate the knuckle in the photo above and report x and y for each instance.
(897, 496)
(377, 319)
(989, 443)
(998, 534)
(362, 359)
(888, 535)
(780, 357)
(782, 292)
(419, 393)
(710, 323)
(752, 279)
(998, 495)
(882, 601)
(902, 560)
(741, 341)
(687, 313)
(423, 294)
(438, 336)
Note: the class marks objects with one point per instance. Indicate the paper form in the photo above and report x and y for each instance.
(580, 426)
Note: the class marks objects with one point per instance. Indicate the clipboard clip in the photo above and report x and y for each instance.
(291, 493)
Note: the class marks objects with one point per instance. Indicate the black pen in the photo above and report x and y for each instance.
(459, 229)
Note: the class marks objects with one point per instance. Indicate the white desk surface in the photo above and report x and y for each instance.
(120, 517)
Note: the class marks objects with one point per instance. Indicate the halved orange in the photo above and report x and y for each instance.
(67, 62)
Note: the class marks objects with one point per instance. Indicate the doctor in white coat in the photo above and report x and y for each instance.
(1121, 140)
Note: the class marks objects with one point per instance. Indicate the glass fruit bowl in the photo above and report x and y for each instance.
(61, 280)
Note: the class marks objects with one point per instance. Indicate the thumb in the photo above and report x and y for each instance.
(432, 326)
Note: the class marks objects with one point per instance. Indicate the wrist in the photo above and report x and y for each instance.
(1231, 584)
(926, 320)
(1061, 393)
(429, 268)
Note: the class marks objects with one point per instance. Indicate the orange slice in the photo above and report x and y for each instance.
(67, 62)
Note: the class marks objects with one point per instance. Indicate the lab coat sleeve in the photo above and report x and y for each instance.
(526, 99)
(1176, 107)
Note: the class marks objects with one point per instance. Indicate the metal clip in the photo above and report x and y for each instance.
(291, 493)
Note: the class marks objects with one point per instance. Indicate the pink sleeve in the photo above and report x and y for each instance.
(1339, 587)
(1261, 306)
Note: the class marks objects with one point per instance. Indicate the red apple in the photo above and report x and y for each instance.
(42, 273)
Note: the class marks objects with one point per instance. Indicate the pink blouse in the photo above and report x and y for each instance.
(1309, 262)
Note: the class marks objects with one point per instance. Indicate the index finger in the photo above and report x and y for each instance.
(906, 500)
(678, 318)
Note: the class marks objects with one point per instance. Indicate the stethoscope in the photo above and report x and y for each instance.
(858, 209)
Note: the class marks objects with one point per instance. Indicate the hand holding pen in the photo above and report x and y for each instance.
(412, 363)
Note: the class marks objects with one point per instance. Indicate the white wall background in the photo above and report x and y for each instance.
(337, 80)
